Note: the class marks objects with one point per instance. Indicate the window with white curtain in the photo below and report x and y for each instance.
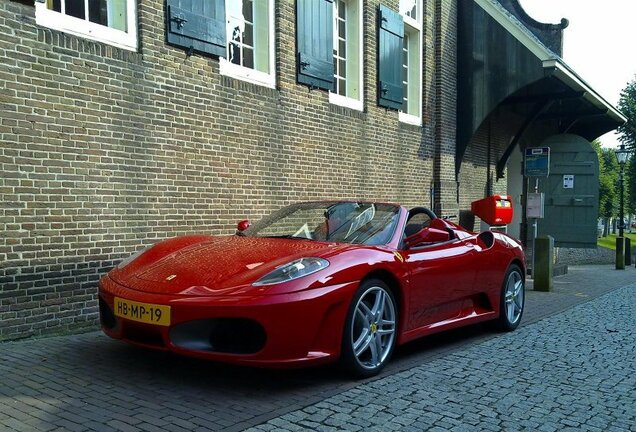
(412, 62)
(110, 21)
(250, 41)
(347, 54)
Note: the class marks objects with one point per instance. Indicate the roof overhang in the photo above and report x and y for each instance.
(553, 65)
(514, 27)
(558, 69)
(540, 69)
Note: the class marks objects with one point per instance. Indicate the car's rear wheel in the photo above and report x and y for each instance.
(370, 329)
(512, 299)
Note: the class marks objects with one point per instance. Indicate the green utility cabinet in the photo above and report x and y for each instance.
(571, 192)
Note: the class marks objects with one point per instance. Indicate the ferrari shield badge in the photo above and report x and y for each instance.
(398, 256)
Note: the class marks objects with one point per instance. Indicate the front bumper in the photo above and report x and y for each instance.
(300, 328)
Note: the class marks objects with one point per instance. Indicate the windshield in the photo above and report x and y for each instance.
(346, 222)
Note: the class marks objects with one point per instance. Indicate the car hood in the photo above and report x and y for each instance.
(217, 265)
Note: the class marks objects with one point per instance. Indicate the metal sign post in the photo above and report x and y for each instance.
(536, 164)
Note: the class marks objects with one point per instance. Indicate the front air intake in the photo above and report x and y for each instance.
(222, 335)
(106, 315)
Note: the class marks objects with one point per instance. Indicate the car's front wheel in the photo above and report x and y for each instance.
(512, 299)
(370, 329)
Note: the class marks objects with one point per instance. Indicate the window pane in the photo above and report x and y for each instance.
(117, 14)
(405, 70)
(347, 39)
(261, 40)
(55, 5)
(235, 34)
(248, 35)
(110, 13)
(234, 54)
(104, 21)
(342, 87)
(97, 12)
(76, 8)
(409, 8)
(248, 9)
(405, 50)
(248, 57)
(234, 8)
(341, 13)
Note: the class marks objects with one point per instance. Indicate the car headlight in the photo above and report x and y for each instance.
(293, 270)
(131, 258)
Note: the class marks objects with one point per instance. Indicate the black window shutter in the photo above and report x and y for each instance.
(390, 40)
(197, 25)
(314, 43)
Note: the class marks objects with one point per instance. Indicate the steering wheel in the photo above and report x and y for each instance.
(417, 210)
(414, 225)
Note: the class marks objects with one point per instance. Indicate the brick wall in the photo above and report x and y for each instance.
(445, 85)
(480, 162)
(104, 150)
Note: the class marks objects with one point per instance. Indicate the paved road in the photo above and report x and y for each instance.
(574, 371)
(89, 382)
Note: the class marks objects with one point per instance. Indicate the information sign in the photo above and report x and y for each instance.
(537, 162)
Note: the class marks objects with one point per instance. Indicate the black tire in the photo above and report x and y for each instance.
(371, 332)
(510, 314)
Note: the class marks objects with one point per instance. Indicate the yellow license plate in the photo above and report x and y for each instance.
(143, 312)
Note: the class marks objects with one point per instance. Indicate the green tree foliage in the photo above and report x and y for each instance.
(608, 180)
(612, 169)
(630, 185)
(627, 105)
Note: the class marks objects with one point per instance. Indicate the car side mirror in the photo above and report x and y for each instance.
(243, 225)
(426, 235)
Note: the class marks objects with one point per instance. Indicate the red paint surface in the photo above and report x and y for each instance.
(439, 286)
(494, 210)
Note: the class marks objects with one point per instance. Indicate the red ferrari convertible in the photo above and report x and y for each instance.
(313, 283)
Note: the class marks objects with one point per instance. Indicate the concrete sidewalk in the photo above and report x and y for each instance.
(89, 382)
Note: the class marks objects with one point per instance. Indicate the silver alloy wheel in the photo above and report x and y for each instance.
(373, 327)
(514, 297)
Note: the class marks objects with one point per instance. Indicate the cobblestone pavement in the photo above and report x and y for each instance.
(461, 378)
(573, 371)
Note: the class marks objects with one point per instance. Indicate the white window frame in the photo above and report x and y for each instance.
(412, 26)
(253, 76)
(356, 25)
(46, 17)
